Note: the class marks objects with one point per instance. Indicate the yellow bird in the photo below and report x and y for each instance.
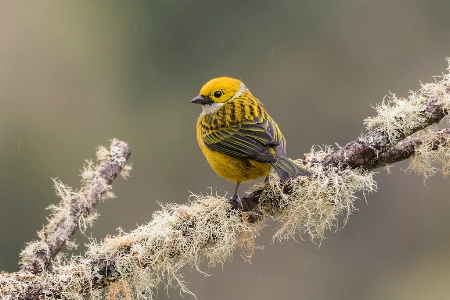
(238, 138)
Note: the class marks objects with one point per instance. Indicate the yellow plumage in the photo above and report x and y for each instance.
(238, 138)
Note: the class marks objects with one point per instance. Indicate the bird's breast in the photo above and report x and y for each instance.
(235, 169)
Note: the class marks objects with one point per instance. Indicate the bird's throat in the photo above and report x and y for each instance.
(209, 109)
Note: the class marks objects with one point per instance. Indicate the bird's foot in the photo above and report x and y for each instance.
(236, 202)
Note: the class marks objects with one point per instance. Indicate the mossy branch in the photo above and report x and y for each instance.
(132, 265)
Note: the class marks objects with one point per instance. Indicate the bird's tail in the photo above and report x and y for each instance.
(287, 169)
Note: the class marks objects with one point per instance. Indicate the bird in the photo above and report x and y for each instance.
(239, 139)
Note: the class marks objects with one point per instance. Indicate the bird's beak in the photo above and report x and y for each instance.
(202, 100)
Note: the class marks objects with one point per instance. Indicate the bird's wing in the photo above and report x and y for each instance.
(258, 139)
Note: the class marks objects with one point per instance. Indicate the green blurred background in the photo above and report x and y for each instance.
(75, 74)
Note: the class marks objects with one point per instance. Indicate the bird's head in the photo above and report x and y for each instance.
(217, 92)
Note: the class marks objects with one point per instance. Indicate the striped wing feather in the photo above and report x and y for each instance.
(252, 139)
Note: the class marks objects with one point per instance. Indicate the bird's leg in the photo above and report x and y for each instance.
(235, 200)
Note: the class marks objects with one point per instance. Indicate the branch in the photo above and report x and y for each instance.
(100, 272)
(207, 228)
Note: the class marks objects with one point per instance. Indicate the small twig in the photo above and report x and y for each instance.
(406, 148)
(107, 172)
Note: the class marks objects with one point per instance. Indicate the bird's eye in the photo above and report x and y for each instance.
(217, 94)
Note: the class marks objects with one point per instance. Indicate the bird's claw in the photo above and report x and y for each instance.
(236, 202)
